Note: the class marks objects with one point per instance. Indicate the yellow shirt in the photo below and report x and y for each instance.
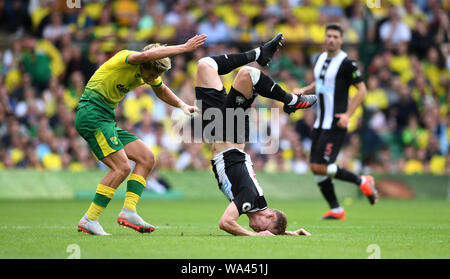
(57, 64)
(94, 10)
(38, 15)
(116, 77)
(225, 11)
(316, 32)
(13, 79)
(17, 155)
(124, 10)
(437, 164)
(106, 34)
(307, 14)
(251, 10)
(402, 65)
(413, 166)
(291, 33)
(376, 99)
(52, 161)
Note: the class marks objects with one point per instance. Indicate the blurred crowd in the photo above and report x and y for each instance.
(49, 51)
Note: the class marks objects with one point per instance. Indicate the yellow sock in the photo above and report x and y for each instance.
(94, 211)
(101, 199)
(135, 186)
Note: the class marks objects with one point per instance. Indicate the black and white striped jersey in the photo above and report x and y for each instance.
(333, 77)
(236, 178)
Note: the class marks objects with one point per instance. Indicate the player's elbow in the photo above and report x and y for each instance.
(362, 89)
(362, 92)
(224, 225)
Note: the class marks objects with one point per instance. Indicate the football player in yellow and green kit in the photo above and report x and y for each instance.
(95, 122)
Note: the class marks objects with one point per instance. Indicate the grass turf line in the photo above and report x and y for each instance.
(187, 229)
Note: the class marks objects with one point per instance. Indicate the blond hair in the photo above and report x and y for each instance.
(159, 65)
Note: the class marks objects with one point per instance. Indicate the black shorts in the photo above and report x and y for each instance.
(236, 178)
(234, 126)
(326, 145)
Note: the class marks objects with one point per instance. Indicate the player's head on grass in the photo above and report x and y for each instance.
(334, 37)
(150, 70)
(274, 221)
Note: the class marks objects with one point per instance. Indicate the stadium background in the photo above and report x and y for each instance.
(48, 51)
(400, 134)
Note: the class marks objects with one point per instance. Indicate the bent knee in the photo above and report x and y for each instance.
(146, 158)
(318, 169)
(250, 73)
(206, 64)
(122, 169)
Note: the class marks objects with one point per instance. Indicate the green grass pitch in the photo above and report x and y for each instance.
(187, 229)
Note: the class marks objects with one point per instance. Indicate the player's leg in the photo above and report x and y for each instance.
(245, 80)
(318, 164)
(224, 64)
(324, 151)
(207, 76)
(333, 140)
(326, 187)
(366, 183)
(119, 168)
(98, 129)
(137, 151)
(262, 55)
(267, 87)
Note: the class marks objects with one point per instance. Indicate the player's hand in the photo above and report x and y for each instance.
(343, 120)
(302, 232)
(195, 42)
(297, 232)
(299, 91)
(189, 110)
(264, 233)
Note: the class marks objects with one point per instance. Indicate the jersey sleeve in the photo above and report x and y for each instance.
(120, 58)
(157, 82)
(353, 72)
(126, 53)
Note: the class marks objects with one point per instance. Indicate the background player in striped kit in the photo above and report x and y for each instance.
(334, 73)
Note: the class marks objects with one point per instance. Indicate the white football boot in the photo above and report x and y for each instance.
(91, 226)
(131, 219)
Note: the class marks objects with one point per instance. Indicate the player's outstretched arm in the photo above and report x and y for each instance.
(167, 51)
(228, 222)
(166, 95)
(297, 232)
(307, 90)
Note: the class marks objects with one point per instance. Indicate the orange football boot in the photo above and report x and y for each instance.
(330, 215)
(368, 188)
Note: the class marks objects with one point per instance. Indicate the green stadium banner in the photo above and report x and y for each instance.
(29, 184)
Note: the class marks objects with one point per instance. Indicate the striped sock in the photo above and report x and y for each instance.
(101, 199)
(135, 186)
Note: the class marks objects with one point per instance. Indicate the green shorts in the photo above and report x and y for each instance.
(95, 122)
